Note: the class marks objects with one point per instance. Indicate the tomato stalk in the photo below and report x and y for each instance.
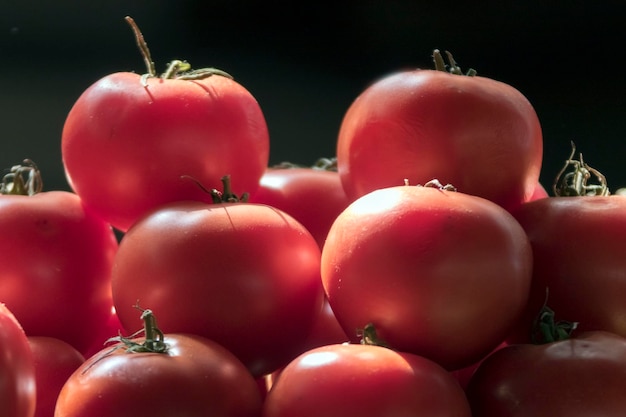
(369, 336)
(153, 336)
(576, 182)
(225, 196)
(176, 69)
(452, 67)
(24, 179)
(547, 330)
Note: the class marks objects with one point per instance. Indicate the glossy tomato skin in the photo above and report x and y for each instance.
(439, 273)
(55, 360)
(17, 369)
(578, 256)
(57, 261)
(195, 378)
(314, 197)
(363, 380)
(245, 275)
(582, 376)
(481, 135)
(125, 146)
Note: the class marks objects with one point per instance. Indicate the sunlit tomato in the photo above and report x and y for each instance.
(578, 252)
(17, 369)
(539, 192)
(582, 376)
(173, 375)
(128, 140)
(57, 258)
(55, 360)
(245, 275)
(366, 381)
(439, 273)
(477, 133)
(314, 197)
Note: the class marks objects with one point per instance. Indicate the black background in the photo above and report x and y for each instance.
(306, 62)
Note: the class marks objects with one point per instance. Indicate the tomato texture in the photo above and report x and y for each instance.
(363, 380)
(17, 369)
(56, 269)
(55, 360)
(481, 135)
(245, 275)
(439, 273)
(579, 261)
(194, 377)
(581, 376)
(314, 197)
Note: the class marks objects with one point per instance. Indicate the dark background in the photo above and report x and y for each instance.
(306, 62)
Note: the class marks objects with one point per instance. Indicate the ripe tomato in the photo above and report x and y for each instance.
(313, 196)
(366, 381)
(477, 133)
(326, 330)
(128, 140)
(57, 261)
(440, 273)
(581, 376)
(245, 275)
(17, 369)
(578, 254)
(160, 375)
(55, 360)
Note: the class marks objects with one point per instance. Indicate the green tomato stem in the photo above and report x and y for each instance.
(24, 179)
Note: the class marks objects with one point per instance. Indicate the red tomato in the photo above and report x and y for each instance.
(178, 375)
(245, 275)
(578, 254)
(464, 375)
(17, 369)
(55, 360)
(314, 197)
(479, 134)
(582, 376)
(366, 381)
(439, 273)
(128, 140)
(326, 330)
(56, 268)
(539, 192)
(111, 328)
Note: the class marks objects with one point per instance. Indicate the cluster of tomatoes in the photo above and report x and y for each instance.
(423, 271)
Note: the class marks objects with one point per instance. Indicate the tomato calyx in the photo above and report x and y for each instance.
(546, 329)
(434, 183)
(451, 67)
(322, 164)
(224, 196)
(153, 336)
(369, 336)
(176, 69)
(576, 183)
(22, 179)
